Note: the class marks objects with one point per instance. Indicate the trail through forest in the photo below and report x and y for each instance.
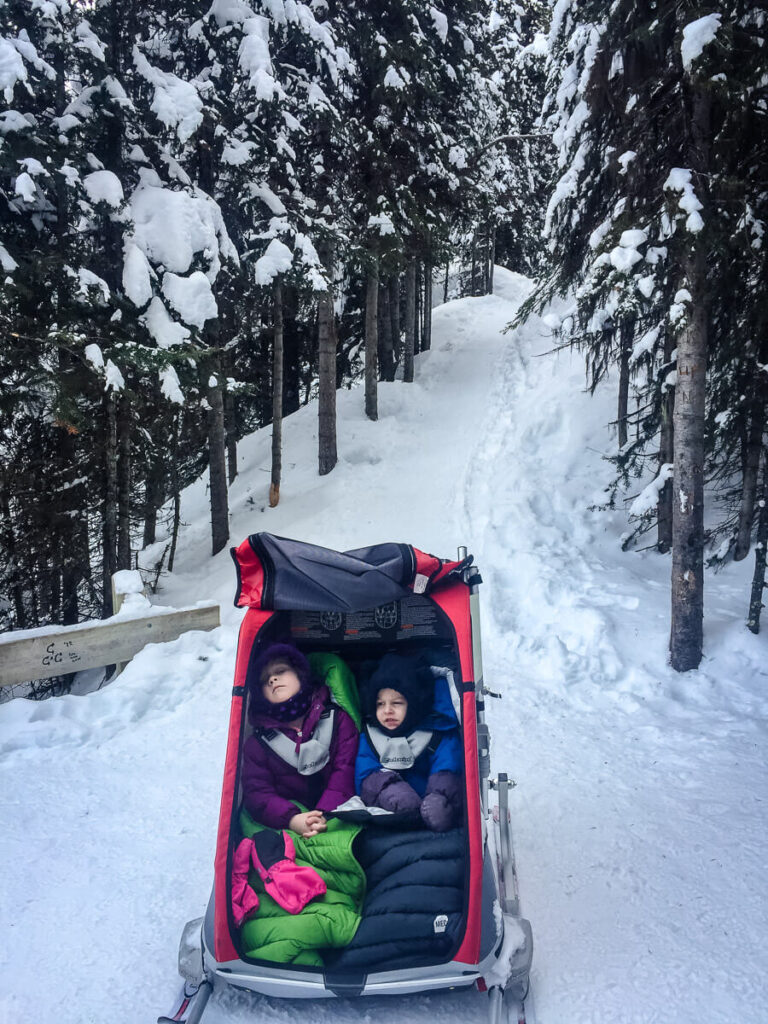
(640, 807)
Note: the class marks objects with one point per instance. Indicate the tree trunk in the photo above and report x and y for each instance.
(175, 490)
(394, 312)
(154, 490)
(417, 326)
(410, 320)
(686, 635)
(217, 465)
(109, 517)
(752, 446)
(386, 348)
(626, 333)
(230, 426)
(666, 456)
(687, 620)
(761, 545)
(372, 340)
(326, 348)
(492, 258)
(473, 280)
(426, 343)
(445, 282)
(277, 397)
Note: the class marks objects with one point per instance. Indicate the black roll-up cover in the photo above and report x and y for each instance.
(293, 575)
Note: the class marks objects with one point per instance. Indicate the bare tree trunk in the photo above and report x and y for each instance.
(410, 320)
(492, 258)
(761, 545)
(626, 333)
(386, 348)
(473, 284)
(326, 346)
(175, 490)
(394, 312)
(687, 627)
(217, 465)
(277, 397)
(418, 308)
(445, 281)
(153, 497)
(230, 427)
(372, 340)
(666, 456)
(109, 519)
(752, 445)
(426, 343)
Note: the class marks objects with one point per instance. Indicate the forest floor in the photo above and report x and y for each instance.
(640, 811)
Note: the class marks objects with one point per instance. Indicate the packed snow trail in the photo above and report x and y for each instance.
(641, 835)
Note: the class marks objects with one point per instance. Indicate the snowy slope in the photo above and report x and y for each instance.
(640, 807)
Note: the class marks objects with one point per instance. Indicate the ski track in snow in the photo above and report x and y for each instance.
(640, 808)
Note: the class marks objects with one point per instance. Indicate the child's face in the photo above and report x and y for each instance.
(279, 682)
(391, 707)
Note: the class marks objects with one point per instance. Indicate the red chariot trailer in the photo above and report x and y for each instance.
(356, 606)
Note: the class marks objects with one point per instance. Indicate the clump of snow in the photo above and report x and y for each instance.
(626, 159)
(646, 285)
(127, 581)
(170, 387)
(696, 35)
(633, 238)
(648, 498)
(88, 40)
(86, 281)
(104, 187)
(171, 226)
(392, 79)
(94, 356)
(7, 262)
(12, 68)
(623, 258)
(25, 187)
(679, 180)
(137, 280)
(276, 260)
(115, 380)
(440, 22)
(645, 344)
(176, 102)
(191, 297)
(166, 331)
(383, 222)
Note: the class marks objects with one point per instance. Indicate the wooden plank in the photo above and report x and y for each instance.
(75, 648)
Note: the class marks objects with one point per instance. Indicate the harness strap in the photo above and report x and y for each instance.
(313, 754)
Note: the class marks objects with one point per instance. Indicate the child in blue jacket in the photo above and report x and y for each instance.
(410, 754)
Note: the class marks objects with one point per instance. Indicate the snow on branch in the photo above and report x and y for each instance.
(648, 498)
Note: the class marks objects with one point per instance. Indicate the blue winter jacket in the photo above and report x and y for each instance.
(448, 757)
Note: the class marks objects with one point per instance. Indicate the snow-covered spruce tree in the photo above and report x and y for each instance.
(56, 299)
(519, 48)
(638, 222)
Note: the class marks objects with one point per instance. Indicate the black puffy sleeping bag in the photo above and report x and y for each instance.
(413, 910)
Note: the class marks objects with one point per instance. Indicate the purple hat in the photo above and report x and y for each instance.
(295, 706)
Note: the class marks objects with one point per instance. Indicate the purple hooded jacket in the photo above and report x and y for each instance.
(272, 788)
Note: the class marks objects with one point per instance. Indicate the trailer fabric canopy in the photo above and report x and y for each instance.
(277, 573)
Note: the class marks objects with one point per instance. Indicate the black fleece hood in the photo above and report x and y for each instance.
(410, 676)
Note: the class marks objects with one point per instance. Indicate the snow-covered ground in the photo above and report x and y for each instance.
(640, 818)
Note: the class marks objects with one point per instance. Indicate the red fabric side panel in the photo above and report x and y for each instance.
(224, 948)
(455, 603)
(251, 576)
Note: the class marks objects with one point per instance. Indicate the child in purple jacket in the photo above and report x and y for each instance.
(303, 747)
